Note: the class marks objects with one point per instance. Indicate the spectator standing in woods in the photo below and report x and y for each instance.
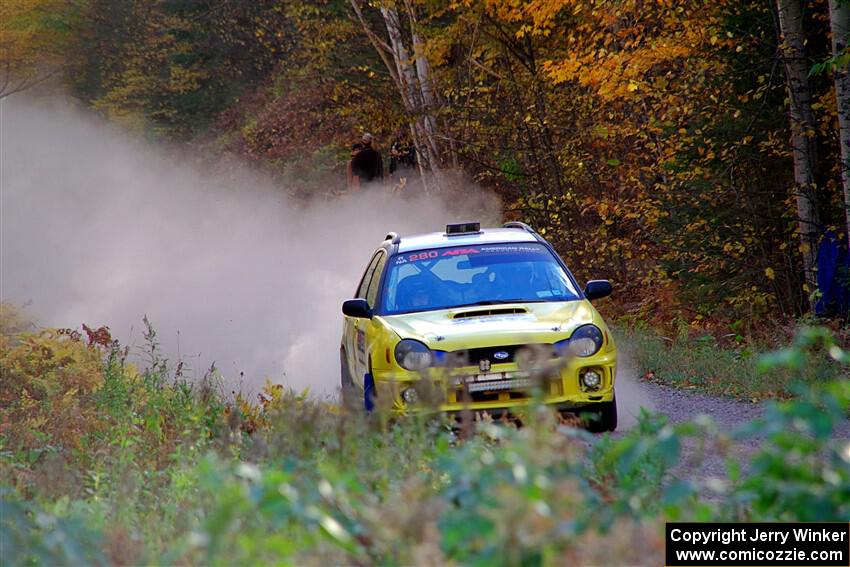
(353, 183)
(402, 155)
(367, 165)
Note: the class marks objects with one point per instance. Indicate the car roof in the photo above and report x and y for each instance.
(485, 236)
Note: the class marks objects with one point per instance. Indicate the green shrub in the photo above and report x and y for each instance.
(315, 485)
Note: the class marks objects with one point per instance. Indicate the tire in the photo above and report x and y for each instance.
(605, 418)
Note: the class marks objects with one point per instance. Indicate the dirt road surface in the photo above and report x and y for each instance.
(683, 405)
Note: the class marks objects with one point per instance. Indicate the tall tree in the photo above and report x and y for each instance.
(411, 73)
(803, 133)
(839, 19)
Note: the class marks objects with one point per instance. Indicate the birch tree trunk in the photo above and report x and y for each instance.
(412, 76)
(839, 20)
(803, 137)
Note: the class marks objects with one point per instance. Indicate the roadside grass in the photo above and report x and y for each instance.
(155, 470)
(706, 364)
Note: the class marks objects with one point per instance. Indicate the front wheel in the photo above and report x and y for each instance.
(605, 418)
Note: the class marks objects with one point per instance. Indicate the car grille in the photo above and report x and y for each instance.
(474, 356)
(487, 386)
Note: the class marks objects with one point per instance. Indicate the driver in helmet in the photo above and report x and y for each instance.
(414, 292)
(513, 280)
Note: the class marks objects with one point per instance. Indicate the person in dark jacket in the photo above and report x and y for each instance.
(402, 155)
(367, 166)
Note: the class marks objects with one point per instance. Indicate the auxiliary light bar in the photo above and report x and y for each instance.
(514, 384)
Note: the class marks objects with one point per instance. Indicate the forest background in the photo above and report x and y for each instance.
(689, 151)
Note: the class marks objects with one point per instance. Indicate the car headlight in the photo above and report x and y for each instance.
(586, 341)
(413, 355)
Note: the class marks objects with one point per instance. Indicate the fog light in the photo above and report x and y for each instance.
(410, 396)
(591, 379)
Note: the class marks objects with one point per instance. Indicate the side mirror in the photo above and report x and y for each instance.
(597, 289)
(357, 308)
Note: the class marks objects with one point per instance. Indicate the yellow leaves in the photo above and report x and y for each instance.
(184, 80)
(49, 362)
(44, 380)
(537, 16)
(33, 37)
(734, 249)
(771, 275)
(695, 226)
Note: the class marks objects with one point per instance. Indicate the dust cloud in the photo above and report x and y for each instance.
(632, 398)
(101, 228)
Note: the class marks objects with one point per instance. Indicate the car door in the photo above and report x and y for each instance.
(353, 337)
(365, 329)
(369, 328)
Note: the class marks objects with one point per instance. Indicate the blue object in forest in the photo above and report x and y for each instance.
(833, 277)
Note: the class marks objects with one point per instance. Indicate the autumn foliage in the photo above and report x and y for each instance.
(649, 140)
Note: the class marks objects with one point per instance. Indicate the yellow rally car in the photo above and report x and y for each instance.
(476, 319)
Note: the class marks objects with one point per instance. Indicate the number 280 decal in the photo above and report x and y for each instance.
(432, 254)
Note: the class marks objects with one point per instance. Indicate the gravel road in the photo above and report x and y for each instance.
(678, 405)
(702, 464)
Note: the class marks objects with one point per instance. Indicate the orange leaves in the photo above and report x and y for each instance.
(536, 16)
(98, 337)
(616, 49)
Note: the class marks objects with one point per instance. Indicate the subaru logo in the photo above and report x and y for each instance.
(500, 355)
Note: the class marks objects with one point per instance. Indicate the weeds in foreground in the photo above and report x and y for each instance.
(163, 471)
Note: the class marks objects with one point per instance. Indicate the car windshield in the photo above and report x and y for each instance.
(442, 278)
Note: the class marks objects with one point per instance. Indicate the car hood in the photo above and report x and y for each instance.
(493, 325)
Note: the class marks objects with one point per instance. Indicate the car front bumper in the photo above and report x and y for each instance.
(449, 391)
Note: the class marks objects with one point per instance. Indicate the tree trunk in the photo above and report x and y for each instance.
(423, 71)
(412, 78)
(839, 20)
(803, 135)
